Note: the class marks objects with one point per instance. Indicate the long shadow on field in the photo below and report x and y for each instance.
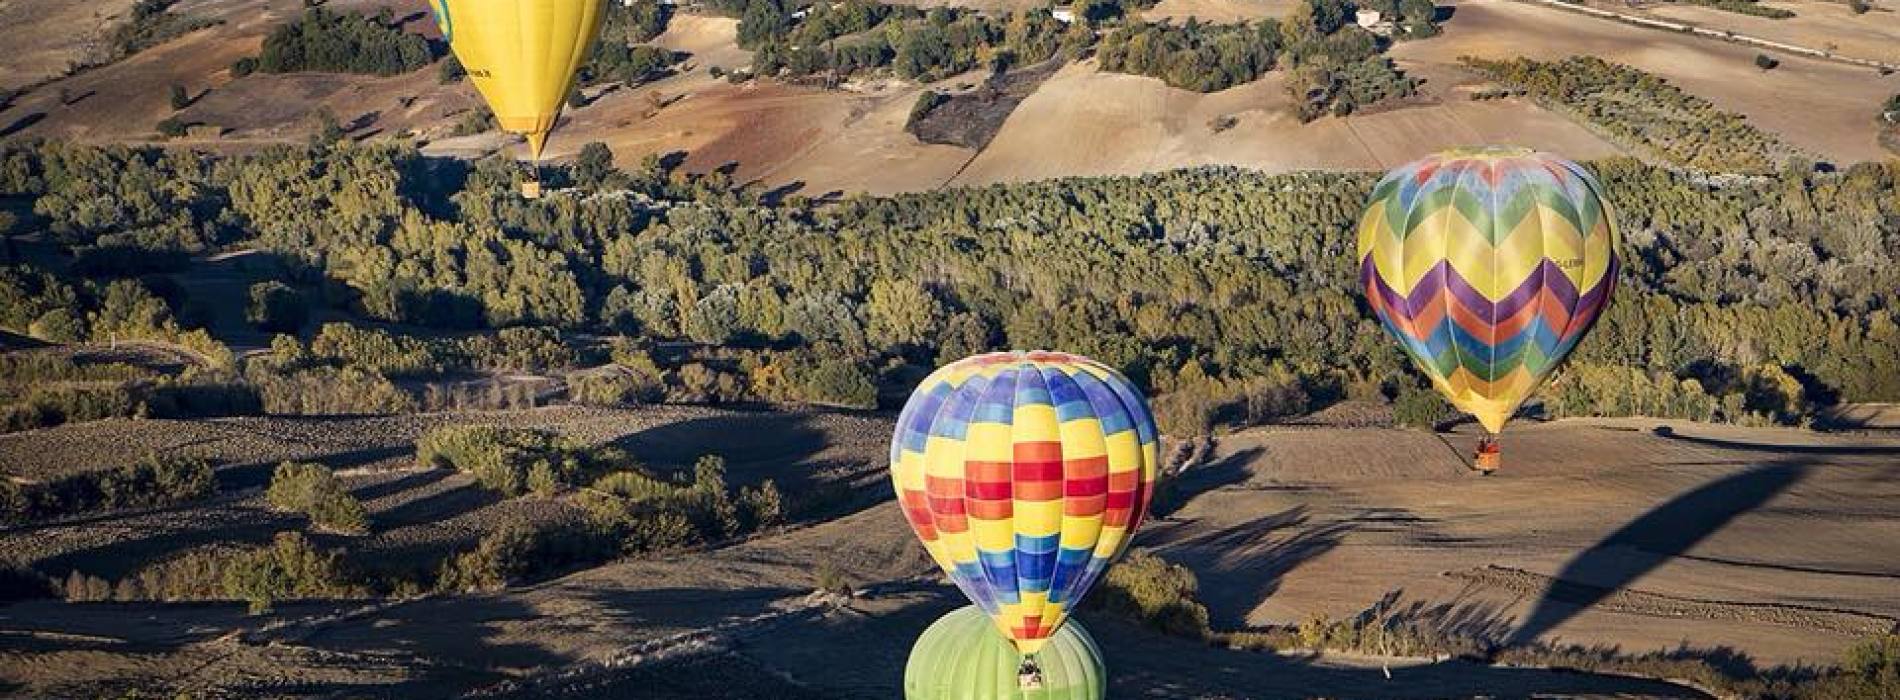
(257, 474)
(1241, 566)
(484, 633)
(123, 557)
(1145, 664)
(409, 482)
(1666, 531)
(1175, 492)
(756, 446)
(1834, 450)
(443, 506)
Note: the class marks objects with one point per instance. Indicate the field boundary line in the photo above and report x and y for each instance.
(1716, 34)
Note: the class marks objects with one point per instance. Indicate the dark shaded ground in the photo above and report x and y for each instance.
(970, 119)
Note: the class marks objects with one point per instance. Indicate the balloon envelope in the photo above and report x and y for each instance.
(961, 657)
(521, 55)
(1025, 475)
(1488, 265)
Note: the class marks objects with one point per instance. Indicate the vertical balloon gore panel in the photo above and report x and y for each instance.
(961, 657)
(522, 55)
(1025, 475)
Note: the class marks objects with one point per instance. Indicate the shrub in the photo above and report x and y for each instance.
(48, 406)
(1146, 589)
(517, 552)
(312, 489)
(1766, 62)
(376, 350)
(499, 458)
(615, 387)
(451, 70)
(152, 481)
(180, 99)
(171, 128)
(290, 568)
(1420, 408)
(277, 307)
(244, 66)
(327, 391)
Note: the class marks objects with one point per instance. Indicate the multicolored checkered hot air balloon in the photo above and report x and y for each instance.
(1025, 475)
(1488, 265)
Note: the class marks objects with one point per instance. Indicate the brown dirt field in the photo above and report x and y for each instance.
(1087, 122)
(1217, 10)
(1775, 543)
(126, 99)
(1816, 24)
(1822, 107)
(46, 36)
(850, 140)
(1763, 540)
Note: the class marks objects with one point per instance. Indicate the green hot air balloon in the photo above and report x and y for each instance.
(962, 656)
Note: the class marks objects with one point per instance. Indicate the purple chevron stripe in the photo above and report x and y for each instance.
(1369, 273)
(1592, 303)
(1443, 275)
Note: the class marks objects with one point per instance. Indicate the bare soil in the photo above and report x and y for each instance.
(1772, 543)
(1824, 108)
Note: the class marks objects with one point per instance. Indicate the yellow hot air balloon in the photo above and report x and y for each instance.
(522, 56)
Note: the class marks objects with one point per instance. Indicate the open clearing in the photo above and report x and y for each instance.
(1819, 24)
(1825, 108)
(1779, 544)
(1087, 122)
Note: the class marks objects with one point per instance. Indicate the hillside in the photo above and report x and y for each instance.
(815, 141)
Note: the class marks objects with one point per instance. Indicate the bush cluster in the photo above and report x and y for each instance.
(332, 42)
(152, 481)
(1643, 110)
(315, 491)
(1147, 590)
(289, 568)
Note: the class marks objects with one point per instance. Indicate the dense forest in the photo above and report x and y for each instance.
(1230, 294)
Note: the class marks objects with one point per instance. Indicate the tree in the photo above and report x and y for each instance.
(180, 99)
(277, 307)
(594, 167)
(901, 312)
(1766, 62)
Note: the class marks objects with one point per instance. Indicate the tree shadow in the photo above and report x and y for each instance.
(465, 632)
(1143, 663)
(22, 124)
(238, 477)
(409, 482)
(446, 505)
(121, 558)
(1666, 531)
(1240, 567)
(755, 445)
(773, 197)
(1176, 492)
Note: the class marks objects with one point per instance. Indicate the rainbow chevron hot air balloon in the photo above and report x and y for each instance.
(1025, 475)
(1488, 265)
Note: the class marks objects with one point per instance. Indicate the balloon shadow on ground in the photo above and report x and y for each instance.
(1669, 433)
(1667, 531)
